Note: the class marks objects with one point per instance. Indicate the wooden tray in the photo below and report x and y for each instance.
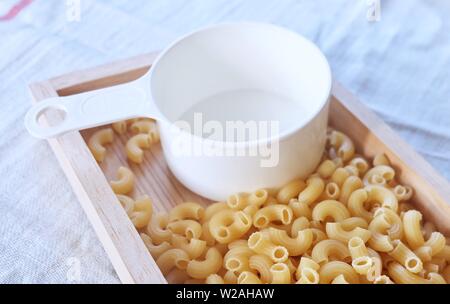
(120, 239)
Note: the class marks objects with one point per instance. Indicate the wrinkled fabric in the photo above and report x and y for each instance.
(398, 66)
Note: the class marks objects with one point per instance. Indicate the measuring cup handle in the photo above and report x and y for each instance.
(93, 108)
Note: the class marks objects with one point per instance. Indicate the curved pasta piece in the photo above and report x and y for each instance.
(187, 211)
(314, 188)
(237, 258)
(290, 191)
(307, 263)
(331, 192)
(125, 182)
(172, 258)
(373, 195)
(266, 215)
(228, 225)
(189, 228)
(193, 247)
(261, 264)
(403, 193)
(326, 168)
(435, 244)
(212, 209)
(331, 270)
(379, 175)
(142, 212)
(412, 228)
(401, 275)
(177, 276)
(406, 257)
(337, 232)
(210, 265)
(97, 142)
(330, 209)
(342, 144)
(262, 245)
(339, 176)
(298, 225)
(258, 197)
(155, 250)
(326, 250)
(295, 246)
(351, 184)
(361, 164)
(300, 209)
(157, 228)
(135, 146)
(238, 201)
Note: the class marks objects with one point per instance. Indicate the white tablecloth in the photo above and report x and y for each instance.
(399, 66)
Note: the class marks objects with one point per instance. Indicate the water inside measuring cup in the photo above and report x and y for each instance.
(267, 112)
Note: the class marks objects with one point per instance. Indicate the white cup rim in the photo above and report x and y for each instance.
(260, 141)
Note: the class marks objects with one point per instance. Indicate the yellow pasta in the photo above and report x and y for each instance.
(300, 209)
(331, 270)
(258, 198)
(177, 276)
(331, 192)
(142, 212)
(342, 144)
(228, 225)
(337, 232)
(379, 175)
(401, 275)
(172, 258)
(135, 146)
(261, 264)
(412, 229)
(290, 191)
(299, 224)
(350, 184)
(266, 215)
(330, 210)
(326, 250)
(193, 247)
(339, 176)
(262, 245)
(326, 169)
(402, 193)
(357, 248)
(248, 277)
(280, 273)
(314, 188)
(186, 211)
(295, 246)
(360, 164)
(381, 159)
(383, 279)
(189, 228)
(125, 182)
(210, 265)
(97, 142)
(212, 209)
(237, 258)
(155, 250)
(238, 201)
(374, 196)
(157, 228)
(214, 279)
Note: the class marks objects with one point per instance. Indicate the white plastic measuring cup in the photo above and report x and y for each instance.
(209, 62)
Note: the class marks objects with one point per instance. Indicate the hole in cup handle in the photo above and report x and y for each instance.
(93, 108)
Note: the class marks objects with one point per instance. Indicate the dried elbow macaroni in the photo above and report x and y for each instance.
(350, 222)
